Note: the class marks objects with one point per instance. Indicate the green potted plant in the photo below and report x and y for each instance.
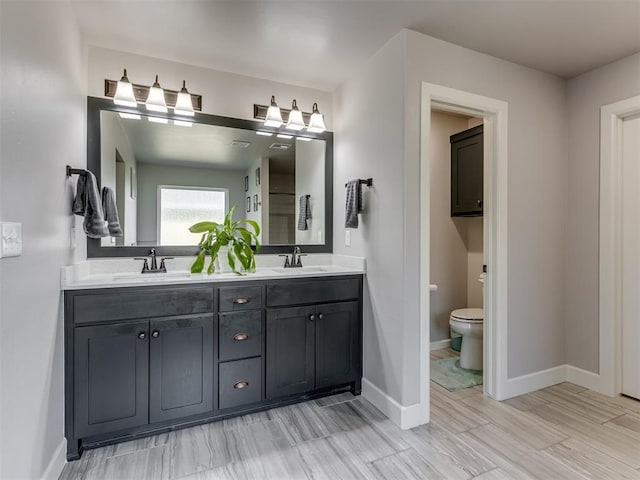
(232, 235)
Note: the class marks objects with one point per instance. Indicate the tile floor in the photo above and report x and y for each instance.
(562, 432)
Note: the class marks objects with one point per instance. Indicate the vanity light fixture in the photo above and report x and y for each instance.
(295, 118)
(124, 92)
(183, 103)
(316, 122)
(264, 134)
(155, 101)
(273, 117)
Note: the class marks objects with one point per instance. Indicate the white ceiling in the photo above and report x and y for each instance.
(316, 43)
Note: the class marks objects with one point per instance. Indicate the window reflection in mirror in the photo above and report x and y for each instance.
(167, 177)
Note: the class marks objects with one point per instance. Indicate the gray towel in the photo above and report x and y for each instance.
(354, 204)
(110, 212)
(305, 212)
(88, 203)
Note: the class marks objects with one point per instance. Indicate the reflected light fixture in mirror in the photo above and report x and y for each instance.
(295, 118)
(316, 122)
(273, 117)
(124, 92)
(183, 103)
(155, 101)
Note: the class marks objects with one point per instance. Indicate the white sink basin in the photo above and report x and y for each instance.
(304, 270)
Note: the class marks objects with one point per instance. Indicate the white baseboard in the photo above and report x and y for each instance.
(586, 379)
(440, 344)
(54, 469)
(532, 382)
(404, 417)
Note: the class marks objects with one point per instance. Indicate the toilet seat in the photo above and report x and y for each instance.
(468, 315)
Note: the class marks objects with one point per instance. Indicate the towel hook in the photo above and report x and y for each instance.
(368, 182)
(75, 171)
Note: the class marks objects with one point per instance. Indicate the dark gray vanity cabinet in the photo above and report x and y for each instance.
(310, 347)
(111, 367)
(180, 367)
(146, 360)
(467, 172)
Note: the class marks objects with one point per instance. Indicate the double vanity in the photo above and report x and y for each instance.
(146, 354)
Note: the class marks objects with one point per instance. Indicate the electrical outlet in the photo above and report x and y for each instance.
(347, 238)
(10, 239)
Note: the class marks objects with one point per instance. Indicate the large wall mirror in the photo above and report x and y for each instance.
(168, 174)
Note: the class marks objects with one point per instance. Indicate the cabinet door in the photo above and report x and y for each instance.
(337, 344)
(111, 368)
(181, 367)
(467, 172)
(290, 351)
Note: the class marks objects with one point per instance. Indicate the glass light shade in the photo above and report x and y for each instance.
(155, 101)
(158, 120)
(316, 122)
(183, 103)
(273, 117)
(295, 118)
(129, 116)
(124, 93)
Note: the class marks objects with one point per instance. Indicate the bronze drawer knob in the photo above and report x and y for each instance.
(241, 385)
(239, 337)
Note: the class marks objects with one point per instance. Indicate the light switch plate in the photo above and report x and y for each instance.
(10, 239)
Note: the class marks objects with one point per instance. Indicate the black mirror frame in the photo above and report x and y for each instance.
(95, 250)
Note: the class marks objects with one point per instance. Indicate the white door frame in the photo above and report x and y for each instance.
(610, 277)
(495, 114)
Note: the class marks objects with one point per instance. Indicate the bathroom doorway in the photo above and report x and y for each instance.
(494, 115)
(456, 254)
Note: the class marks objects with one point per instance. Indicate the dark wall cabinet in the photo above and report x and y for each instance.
(467, 173)
(144, 360)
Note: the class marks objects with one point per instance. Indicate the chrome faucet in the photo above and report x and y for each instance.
(154, 263)
(295, 259)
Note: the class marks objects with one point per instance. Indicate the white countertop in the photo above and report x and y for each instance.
(125, 272)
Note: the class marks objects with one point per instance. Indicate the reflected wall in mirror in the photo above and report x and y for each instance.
(167, 176)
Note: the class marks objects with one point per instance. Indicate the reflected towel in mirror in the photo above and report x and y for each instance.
(305, 212)
(110, 212)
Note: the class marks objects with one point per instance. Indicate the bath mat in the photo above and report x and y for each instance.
(447, 373)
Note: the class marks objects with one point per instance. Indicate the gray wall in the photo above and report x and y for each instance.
(386, 147)
(586, 94)
(150, 176)
(42, 128)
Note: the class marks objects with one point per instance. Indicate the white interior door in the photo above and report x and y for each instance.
(631, 257)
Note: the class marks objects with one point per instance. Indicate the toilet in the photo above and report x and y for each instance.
(469, 322)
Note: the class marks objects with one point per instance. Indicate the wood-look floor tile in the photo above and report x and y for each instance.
(495, 474)
(591, 462)
(598, 413)
(285, 465)
(545, 465)
(322, 460)
(567, 387)
(405, 465)
(524, 425)
(250, 418)
(630, 421)
(453, 415)
(353, 417)
(608, 441)
(502, 440)
(452, 452)
(526, 402)
(305, 421)
(149, 464)
(626, 403)
(200, 448)
(501, 458)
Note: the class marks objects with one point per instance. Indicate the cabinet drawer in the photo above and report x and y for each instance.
(141, 303)
(240, 382)
(240, 298)
(239, 334)
(283, 293)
